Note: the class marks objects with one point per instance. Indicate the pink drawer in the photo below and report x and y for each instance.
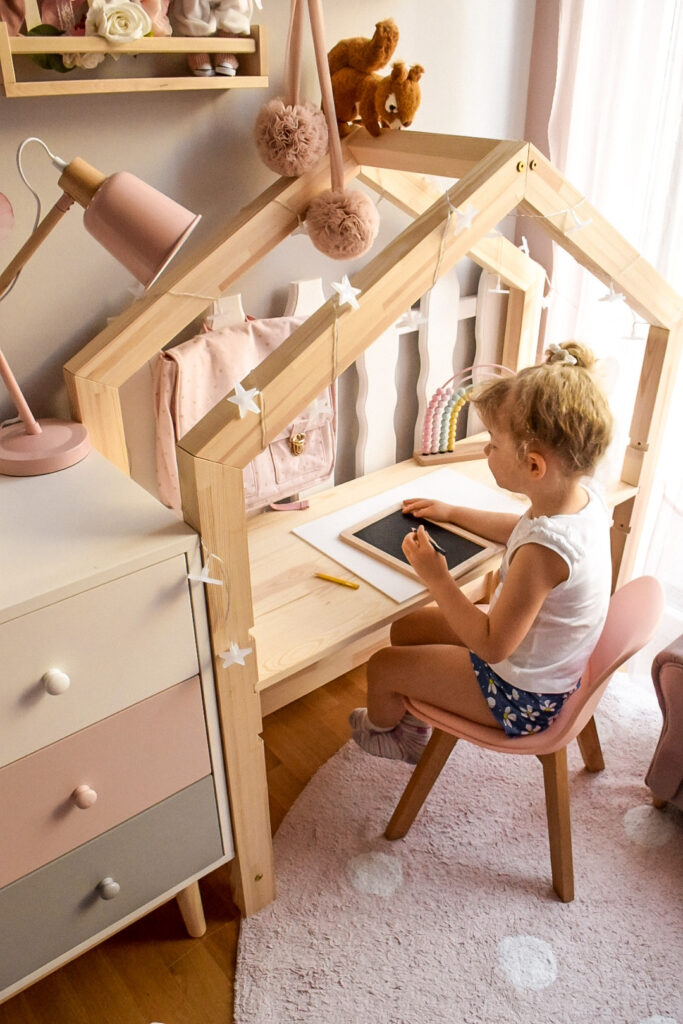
(131, 761)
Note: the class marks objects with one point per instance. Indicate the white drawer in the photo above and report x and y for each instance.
(117, 644)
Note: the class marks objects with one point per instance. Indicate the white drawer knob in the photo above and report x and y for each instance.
(108, 888)
(55, 681)
(84, 796)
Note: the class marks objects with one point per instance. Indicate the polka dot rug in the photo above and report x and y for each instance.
(457, 923)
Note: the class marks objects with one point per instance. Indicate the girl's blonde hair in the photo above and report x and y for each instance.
(557, 406)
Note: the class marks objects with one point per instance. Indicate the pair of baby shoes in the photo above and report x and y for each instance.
(200, 64)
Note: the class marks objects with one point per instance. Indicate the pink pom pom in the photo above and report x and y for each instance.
(342, 224)
(290, 139)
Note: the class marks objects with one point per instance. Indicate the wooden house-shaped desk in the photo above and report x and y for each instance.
(493, 179)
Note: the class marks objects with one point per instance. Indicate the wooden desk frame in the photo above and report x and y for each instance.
(495, 177)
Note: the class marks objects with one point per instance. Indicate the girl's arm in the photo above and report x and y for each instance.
(496, 526)
(533, 572)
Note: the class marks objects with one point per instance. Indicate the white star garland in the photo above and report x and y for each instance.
(410, 320)
(235, 656)
(577, 222)
(611, 295)
(244, 400)
(464, 218)
(346, 292)
(203, 576)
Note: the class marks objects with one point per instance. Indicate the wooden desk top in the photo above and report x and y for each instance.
(300, 619)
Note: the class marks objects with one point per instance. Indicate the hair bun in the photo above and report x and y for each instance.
(573, 353)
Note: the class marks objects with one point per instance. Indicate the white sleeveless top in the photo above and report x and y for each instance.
(555, 651)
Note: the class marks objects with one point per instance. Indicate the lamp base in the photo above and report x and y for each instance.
(59, 445)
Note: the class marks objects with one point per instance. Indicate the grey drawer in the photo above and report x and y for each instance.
(58, 906)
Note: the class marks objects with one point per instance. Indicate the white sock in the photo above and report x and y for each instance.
(377, 728)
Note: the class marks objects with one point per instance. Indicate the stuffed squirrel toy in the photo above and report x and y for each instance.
(361, 96)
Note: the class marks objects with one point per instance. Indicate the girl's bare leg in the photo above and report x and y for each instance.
(424, 626)
(437, 673)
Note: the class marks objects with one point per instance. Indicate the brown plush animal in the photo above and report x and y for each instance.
(376, 102)
(365, 54)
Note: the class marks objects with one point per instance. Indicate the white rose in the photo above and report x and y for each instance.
(117, 21)
(82, 60)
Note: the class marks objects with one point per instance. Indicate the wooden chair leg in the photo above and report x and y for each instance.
(426, 772)
(192, 912)
(657, 801)
(589, 745)
(556, 780)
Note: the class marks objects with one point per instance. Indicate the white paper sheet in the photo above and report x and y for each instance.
(445, 484)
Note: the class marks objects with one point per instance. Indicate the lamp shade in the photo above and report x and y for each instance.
(139, 226)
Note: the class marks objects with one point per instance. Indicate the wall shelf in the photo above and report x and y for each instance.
(251, 51)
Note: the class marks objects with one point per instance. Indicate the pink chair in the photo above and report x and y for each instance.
(634, 611)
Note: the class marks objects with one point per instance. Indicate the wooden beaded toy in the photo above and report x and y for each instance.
(444, 408)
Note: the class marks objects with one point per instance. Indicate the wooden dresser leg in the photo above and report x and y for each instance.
(192, 911)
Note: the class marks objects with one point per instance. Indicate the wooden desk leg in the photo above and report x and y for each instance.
(191, 909)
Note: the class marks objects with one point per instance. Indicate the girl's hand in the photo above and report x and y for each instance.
(427, 508)
(427, 563)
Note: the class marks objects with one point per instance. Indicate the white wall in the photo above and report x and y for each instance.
(197, 147)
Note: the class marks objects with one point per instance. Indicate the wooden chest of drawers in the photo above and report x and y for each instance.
(112, 788)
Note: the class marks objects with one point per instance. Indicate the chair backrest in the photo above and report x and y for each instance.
(634, 612)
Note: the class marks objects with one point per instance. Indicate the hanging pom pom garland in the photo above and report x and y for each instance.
(341, 224)
(441, 417)
(291, 137)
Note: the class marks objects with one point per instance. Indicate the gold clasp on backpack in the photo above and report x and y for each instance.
(297, 443)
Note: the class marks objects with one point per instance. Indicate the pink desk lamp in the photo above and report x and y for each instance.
(143, 229)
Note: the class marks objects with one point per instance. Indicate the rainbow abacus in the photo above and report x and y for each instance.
(447, 402)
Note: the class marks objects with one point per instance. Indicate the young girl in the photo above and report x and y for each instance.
(513, 666)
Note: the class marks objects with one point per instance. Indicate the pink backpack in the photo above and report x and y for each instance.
(197, 374)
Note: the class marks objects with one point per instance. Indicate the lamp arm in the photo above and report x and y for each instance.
(35, 241)
(8, 276)
(16, 394)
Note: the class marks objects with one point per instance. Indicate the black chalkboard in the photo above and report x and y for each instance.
(383, 535)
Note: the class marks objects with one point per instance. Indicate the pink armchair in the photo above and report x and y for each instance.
(665, 774)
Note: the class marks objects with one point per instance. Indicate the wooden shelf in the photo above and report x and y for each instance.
(252, 50)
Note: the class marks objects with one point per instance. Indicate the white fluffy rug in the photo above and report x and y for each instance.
(457, 923)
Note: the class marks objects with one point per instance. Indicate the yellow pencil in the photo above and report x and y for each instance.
(335, 579)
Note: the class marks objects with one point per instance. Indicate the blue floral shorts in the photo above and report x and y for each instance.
(518, 711)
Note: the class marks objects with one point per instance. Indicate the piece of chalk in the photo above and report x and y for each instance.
(437, 547)
(335, 579)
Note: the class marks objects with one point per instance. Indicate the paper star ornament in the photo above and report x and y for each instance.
(346, 292)
(244, 400)
(611, 295)
(203, 577)
(235, 656)
(464, 218)
(577, 223)
(410, 320)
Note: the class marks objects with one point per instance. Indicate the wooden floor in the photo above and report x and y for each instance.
(152, 971)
